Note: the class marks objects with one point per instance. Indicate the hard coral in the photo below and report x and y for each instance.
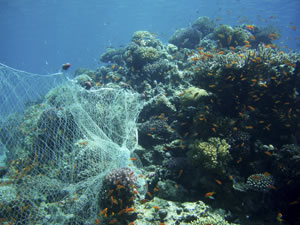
(213, 154)
(118, 193)
(185, 38)
(204, 25)
(192, 94)
(260, 182)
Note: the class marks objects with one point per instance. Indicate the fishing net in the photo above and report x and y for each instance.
(58, 141)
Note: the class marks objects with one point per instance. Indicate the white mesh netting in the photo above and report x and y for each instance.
(57, 142)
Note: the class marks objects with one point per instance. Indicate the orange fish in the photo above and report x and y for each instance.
(119, 187)
(272, 187)
(156, 208)
(113, 221)
(104, 212)
(132, 158)
(97, 221)
(250, 27)
(251, 108)
(218, 182)
(149, 194)
(113, 201)
(209, 194)
(268, 153)
(129, 209)
(252, 37)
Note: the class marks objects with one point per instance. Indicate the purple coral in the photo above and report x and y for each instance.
(118, 193)
(123, 176)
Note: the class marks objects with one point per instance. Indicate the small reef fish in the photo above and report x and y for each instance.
(149, 194)
(103, 212)
(66, 66)
(218, 181)
(250, 27)
(156, 208)
(293, 28)
(113, 221)
(209, 195)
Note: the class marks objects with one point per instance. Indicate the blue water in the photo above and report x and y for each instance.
(39, 36)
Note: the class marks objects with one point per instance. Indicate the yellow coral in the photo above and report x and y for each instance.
(192, 94)
(213, 154)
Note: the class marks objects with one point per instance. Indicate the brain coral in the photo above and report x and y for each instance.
(213, 154)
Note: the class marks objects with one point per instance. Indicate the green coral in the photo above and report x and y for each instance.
(227, 36)
(223, 35)
(204, 24)
(213, 154)
(239, 37)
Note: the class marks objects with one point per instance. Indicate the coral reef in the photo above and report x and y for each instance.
(161, 211)
(220, 110)
(117, 195)
(213, 154)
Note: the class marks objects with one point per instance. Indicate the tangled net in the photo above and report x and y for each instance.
(58, 141)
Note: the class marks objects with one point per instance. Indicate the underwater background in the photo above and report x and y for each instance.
(150, 112)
